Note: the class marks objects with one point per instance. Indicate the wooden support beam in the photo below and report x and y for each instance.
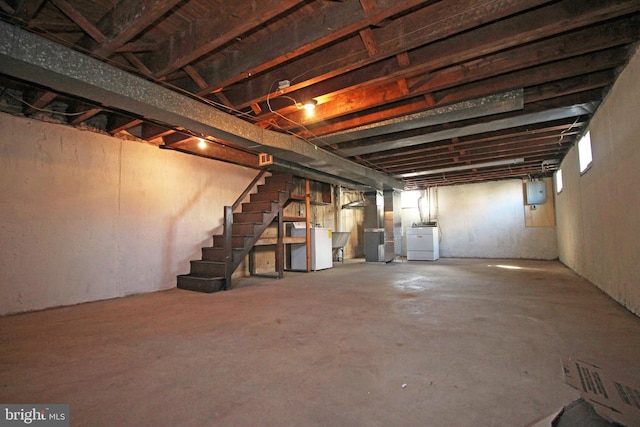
(345, 19)
(151, 131)
(280, 246)
(195, 76)
(175, 138)
(27, 9)
(256, 108)
(496, 67)
(307, 211)
(452, 16)
(403, 59)
(53, 27)
(47, 64)
(590, 39)
(80, 20)
(485, 51)
(492, 139)
(135, 61)
(216, 151)
(119, 123)
(599, 79)
(369, 6)
(223, 99)
(137, 47)
(369, 41)
(6, 8)
(202, 37)
(402, 84)
(86, 115)
(38, 100)
(127, 19)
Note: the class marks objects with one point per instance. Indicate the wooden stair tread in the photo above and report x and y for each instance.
(265, 241)
(201, 276)
(213, 272)
(294, 218)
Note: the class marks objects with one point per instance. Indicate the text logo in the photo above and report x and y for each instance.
(34, 415)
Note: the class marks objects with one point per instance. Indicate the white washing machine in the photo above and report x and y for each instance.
(321, 250)
(422, 244)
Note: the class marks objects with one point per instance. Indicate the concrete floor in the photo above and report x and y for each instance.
(475, 344)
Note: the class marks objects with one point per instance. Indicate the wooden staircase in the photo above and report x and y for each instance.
(242, 229)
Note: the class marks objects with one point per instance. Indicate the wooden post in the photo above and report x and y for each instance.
(228, 250)
(280, 246)
(252, 261)
(307, 207)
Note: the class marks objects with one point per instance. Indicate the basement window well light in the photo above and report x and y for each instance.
(559, 181)
(584, 152)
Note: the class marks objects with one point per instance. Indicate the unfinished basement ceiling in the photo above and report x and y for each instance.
(423, 92)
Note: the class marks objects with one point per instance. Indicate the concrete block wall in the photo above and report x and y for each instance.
(597, 212)
(86, 216)
(485, 220)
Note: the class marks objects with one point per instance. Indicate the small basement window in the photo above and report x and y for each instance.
(584, 152)
(559, 181)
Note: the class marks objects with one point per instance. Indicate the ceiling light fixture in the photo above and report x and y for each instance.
(202, 144)
(461, 167)
(309, 106)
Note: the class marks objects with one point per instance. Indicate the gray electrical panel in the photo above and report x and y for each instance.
(536, 192)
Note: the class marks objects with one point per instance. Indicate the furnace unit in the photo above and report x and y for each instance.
(382, 226)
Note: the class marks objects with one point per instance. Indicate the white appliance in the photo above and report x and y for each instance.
(321, 250)
(422, 244)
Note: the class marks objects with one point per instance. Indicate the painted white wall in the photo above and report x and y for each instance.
(87, 217)
(597, 213)
(485, 220)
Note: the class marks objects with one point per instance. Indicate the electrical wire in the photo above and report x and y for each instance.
(163, 83)
(315, 137)
(567, 130)
(53, 36)
(232, 110)
(44, 110)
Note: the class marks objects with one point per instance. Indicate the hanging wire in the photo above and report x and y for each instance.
(236, 112)
(315, 137)
(44, 110)
(567, 130)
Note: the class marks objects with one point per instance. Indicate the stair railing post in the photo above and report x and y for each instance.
(228, 220)
(307, 206)
(280, 244)
(228, 250)
(247, 190)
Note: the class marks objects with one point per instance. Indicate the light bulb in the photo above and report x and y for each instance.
(309, 106)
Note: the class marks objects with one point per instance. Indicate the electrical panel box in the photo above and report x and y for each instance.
(536, 192)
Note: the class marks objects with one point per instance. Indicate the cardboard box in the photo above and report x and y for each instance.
(547, 421)
(613, 397)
